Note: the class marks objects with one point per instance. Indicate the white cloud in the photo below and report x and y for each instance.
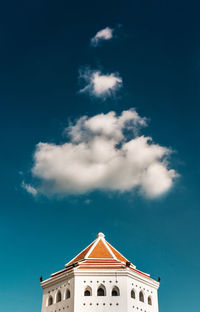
(104, 152)
(157, 179)
(103, 34)
(88, 201)
(30, 189)
(98, 84)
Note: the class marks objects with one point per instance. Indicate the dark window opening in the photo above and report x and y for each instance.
(100, 292)
(50, 301)
(132, 294)
(141, 296)
(58, 297)
(87, 293)
(67, 294)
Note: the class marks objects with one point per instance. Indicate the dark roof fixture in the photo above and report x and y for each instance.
(41, 279)
(128, 264)
(159, 279)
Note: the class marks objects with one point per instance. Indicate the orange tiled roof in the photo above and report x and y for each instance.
(99, 249)
(81, 255)
(99, 255)
(117, 254)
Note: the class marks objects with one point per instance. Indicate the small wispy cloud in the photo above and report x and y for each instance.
(103, 34)
(87, 201)
(98, 84)
(30, 189)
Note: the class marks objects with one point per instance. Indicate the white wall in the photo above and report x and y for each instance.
(136, 304)
(97, 303)
(65, 304)
(109, 279)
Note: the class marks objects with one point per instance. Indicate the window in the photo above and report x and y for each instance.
(88, 291)
(115, 291)
(101, 291)
(50, 301)
(58, 296)
(132, 294)
(67, 294)
(141, 296)
(149, 300)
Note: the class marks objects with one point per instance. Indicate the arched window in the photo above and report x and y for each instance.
(141, 296)
(58, 296)
(101, 291)
(67, 295)
(149, 300)
(50, 301)
(132, 294)
(88, 291)
(115, 291)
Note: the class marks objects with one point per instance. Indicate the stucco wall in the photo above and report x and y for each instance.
(100, 303)
(108, 303)
(64, 304)
(147, 290)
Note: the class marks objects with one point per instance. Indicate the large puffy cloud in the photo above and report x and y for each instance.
(103, 34)
(104, 152)
(98, 84)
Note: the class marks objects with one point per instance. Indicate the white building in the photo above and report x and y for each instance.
(100, 279)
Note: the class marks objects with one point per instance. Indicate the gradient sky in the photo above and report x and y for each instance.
(157, 52)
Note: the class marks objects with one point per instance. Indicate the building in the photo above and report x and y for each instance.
(100, 279)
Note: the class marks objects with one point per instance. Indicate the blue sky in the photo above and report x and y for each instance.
(155, 51)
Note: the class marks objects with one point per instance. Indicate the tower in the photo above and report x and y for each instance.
(100, 279)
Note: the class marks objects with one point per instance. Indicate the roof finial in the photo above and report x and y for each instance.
(100, 235)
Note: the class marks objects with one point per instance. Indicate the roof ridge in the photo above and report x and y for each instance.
(107, 246)
(99, 249)
(80, 253)
(120, 255)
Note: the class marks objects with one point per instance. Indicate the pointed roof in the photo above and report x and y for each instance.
(99, 255)
(99, 249)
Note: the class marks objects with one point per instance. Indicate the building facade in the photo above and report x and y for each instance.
(100, 279)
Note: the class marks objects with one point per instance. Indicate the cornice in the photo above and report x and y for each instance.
(56, 279)
(101, 272)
